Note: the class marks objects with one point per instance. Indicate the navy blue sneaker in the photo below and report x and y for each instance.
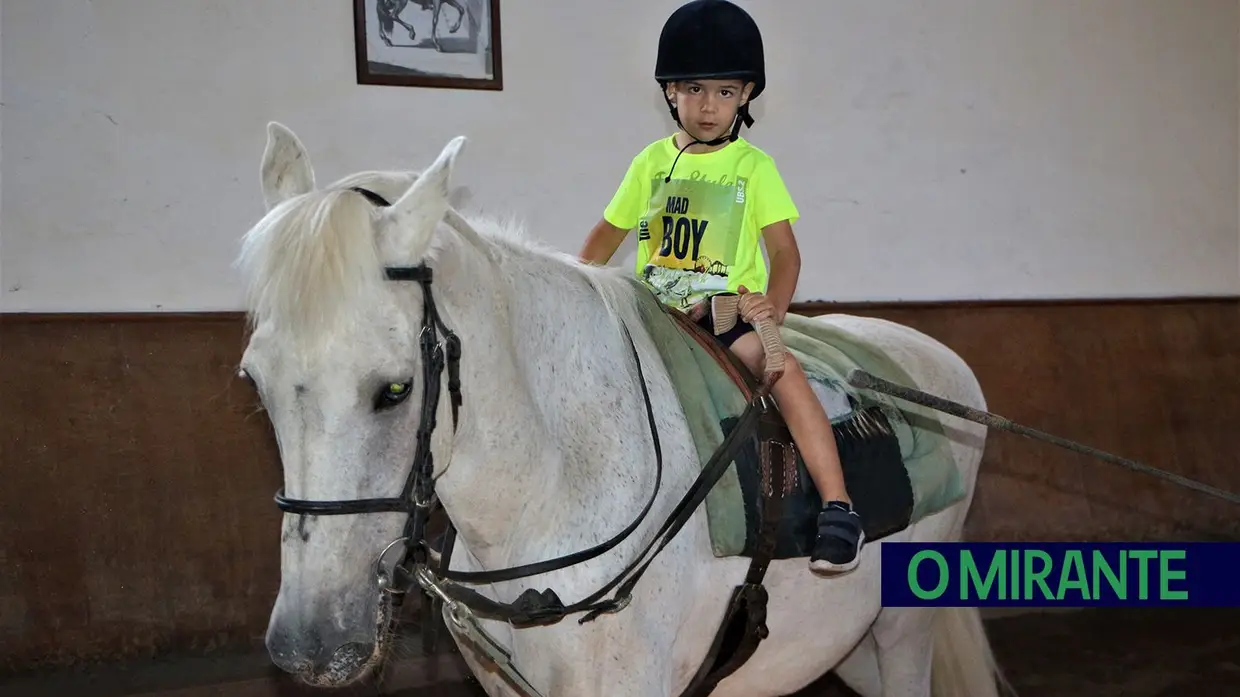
(840, 537)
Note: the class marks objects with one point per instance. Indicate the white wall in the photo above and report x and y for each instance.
(938, 150)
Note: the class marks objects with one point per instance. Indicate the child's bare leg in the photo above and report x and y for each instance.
(806, 419)
(811, 429)
(840, 533)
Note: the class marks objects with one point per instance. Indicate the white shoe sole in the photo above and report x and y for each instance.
(824, 567)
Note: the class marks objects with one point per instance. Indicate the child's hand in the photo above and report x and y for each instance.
(755, 307)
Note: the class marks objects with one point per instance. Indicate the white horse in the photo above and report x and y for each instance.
(550, 454)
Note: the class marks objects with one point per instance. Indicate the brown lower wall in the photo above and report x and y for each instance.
(136, 473)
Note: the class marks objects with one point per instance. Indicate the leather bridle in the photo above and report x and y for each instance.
(417, 497)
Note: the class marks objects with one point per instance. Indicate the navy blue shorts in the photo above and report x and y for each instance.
(729, 337)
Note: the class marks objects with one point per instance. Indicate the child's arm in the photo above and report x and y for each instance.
(620, 216)
(781, 247)
(602, 242)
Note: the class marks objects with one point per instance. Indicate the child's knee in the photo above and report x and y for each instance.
(793, 373)
(791, 365)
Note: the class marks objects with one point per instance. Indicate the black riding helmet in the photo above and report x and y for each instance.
(711, 39)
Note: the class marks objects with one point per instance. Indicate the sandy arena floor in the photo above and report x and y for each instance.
(1100, 653)
(1095, 653)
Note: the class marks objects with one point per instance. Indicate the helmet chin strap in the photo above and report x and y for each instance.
(742, 116)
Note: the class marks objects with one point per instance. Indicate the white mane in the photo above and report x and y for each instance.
(314, 259)
(310, 261)
(512, 246)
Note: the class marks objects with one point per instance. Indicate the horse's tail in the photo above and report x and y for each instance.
(963, 664)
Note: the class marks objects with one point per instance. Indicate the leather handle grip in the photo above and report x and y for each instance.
(726, 311)
(772, 346)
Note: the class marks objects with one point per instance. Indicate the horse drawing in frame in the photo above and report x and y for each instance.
(388, 14)
(545, 449)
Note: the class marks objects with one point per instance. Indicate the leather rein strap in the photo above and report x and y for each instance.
(417, 498)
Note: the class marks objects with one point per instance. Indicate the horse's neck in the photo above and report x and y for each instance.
(558, 456)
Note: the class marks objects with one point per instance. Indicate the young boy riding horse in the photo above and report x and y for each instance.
(703, 201)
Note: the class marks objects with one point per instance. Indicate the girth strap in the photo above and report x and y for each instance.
(744, 623)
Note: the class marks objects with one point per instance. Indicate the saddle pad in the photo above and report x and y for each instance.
(878, 484)
(711, 400)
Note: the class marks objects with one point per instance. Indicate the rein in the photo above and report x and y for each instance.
(417, 498)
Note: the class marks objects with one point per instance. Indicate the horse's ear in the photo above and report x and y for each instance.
(411, 220)
(286, 170)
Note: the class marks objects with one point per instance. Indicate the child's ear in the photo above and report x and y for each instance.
(745, 93)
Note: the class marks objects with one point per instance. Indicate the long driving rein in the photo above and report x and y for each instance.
(418, 499)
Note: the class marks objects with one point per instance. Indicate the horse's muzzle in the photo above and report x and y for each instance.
(312, 660)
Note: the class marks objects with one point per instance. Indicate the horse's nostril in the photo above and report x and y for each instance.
(321, 660)
(352, 654)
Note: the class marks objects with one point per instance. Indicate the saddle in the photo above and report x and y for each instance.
(870, 456)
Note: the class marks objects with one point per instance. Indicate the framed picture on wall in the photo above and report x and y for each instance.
(428, 43)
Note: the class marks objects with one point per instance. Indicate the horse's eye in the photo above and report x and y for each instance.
(392, 394)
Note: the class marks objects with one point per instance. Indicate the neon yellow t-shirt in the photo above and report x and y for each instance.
(700, 233)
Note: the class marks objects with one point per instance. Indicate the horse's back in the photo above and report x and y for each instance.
(935, 366)
(936, 369)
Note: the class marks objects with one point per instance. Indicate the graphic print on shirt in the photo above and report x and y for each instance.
(692, 230)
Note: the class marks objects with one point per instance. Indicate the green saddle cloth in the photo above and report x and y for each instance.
(828, 354)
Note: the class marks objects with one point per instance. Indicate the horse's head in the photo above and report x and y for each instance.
(335, 358)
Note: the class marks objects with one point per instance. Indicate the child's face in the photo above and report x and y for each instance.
(708, 107)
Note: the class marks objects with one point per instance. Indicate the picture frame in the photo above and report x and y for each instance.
(453, 44)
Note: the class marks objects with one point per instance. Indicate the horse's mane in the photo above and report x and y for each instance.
(313, 259)
(310, 261)
(511, 243)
